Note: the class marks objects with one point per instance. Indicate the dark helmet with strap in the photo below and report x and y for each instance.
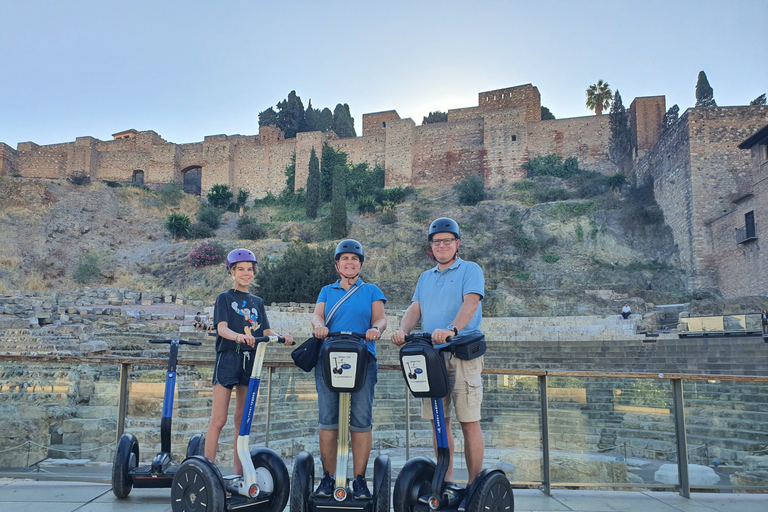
(350, 246)
(444, 225)
(239, 255)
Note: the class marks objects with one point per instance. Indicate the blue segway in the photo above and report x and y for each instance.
(199, 486)
(344, 361)
(420, 486)
(126, 472)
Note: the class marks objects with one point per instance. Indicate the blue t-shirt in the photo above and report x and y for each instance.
(355, 314)
(441, 295)
(238, 308)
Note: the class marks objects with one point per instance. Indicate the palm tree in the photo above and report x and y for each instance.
(599, 97)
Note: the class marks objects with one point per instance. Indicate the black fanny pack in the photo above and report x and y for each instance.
(469, 348)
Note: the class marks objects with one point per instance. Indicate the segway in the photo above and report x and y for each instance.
(126, 473)
(344, 362)
(420, 486)
(199, 486)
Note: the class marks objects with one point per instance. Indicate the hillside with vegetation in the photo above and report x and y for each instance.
(563, 241)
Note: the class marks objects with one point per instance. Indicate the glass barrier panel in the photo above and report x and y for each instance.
(734, 323)
(754, 322)
(726, 425)
(712, 323)
(608, 430)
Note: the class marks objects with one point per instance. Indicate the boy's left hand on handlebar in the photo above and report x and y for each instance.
(288, 340)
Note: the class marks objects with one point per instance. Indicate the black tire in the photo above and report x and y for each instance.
(269, 459)
(302, 481)
(126, 460)
(414, 479)
(196, 445)
(197, 487)
(492, 494)
(382, 483)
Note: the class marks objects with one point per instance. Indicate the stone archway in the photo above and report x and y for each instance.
(192, 177)
(138, 177)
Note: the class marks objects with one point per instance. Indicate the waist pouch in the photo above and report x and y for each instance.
(469, 348)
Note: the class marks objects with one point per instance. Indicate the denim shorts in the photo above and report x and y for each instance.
(232, 368)
(361, 407)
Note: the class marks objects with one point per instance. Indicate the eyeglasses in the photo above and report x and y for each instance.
(445, 241)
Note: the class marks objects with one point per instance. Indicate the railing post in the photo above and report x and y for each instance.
(543, 396)
(122, 399)
(270, 372)
(681, 438)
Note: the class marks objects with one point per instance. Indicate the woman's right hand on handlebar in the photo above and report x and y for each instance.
(398, 338)
(320, 332)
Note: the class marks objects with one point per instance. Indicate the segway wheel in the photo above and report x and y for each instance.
(382, 469)
(414, 480)
(269, 460)
(492, 494)
(196, 445)
(302, 481)
(126, 460)
(197, 487)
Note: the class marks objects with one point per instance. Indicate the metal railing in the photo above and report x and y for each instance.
(629, 421)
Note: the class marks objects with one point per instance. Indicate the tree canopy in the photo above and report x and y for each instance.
(292, 118)
(435, 117)
(620, 141)
(546, 115)
(705, 95)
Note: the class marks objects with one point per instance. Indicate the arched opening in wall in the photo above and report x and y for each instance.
(383, 124)
(138, 177)
(192, 179)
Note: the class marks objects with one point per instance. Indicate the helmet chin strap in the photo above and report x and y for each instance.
(348, 278)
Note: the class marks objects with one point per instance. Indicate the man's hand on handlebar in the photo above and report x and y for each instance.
(441, 335)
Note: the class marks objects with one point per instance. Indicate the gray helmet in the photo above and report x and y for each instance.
(444, 225)
(239, 255)
(350, 246)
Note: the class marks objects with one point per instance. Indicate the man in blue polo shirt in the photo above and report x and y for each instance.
(447, 301)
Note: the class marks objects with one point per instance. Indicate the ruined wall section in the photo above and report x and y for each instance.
(526, 96)
(585, 138)
(667, 165)
(375, 123)
(7, 160)
(47, 162)
(399, 153)
(446, 153)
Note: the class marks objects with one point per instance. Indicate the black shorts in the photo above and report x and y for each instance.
(233, 369)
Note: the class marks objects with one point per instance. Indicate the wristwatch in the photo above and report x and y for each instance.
(454, 329)
(377, 328)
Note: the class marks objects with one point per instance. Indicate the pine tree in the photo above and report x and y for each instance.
(760, 100)
(339, 204)
(313, 185)
(705, 96)
(620, 142)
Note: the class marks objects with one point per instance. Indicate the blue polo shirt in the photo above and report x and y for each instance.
(441, 294)
(355, 314)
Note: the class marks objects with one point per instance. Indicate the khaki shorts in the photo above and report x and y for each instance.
(466, 394)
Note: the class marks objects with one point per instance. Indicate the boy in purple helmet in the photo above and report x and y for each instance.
(239, 317)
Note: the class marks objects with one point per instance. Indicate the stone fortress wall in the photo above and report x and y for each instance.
(491, 140)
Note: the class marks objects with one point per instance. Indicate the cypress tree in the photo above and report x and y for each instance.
(313, 185)
(339, 203)
(343, 123)
(705, 96)
(620, 142)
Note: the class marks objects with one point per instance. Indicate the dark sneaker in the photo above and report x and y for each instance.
(325, 489)
(463, 505)
(360, 488)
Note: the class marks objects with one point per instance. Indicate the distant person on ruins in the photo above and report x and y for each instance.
(626, 311)
(765, 322)
(198, 322)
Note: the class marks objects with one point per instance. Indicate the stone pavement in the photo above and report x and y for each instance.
(68, 496)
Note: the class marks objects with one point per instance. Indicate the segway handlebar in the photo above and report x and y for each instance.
(427, 336)
(262, 339)
(357, 335)
(181, 342)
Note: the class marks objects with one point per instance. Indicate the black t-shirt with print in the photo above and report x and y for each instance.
(232, 307)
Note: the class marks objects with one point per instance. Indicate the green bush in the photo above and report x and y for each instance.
(579, 233)
(177, 224)
(220, 196)
(79, 178)
(269, 200)
(393, 195)
(296, 277)
(549, 195)
(207, 253)
(249, 229)
(112, 184)
(210, 216)
(616, 181)
(366, 204)
(552, 165)
(242, 197)
(200, 230)
(471, 190)
(171, 193)
(550, 258)
(88, 267)
(565, 211)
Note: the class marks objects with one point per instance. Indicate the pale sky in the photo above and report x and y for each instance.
(191, 68)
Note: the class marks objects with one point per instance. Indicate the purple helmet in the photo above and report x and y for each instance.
(239, 255)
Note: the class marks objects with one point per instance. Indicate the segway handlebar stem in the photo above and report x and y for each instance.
(181, 342)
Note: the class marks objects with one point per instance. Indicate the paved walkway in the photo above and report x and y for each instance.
(67, 496)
